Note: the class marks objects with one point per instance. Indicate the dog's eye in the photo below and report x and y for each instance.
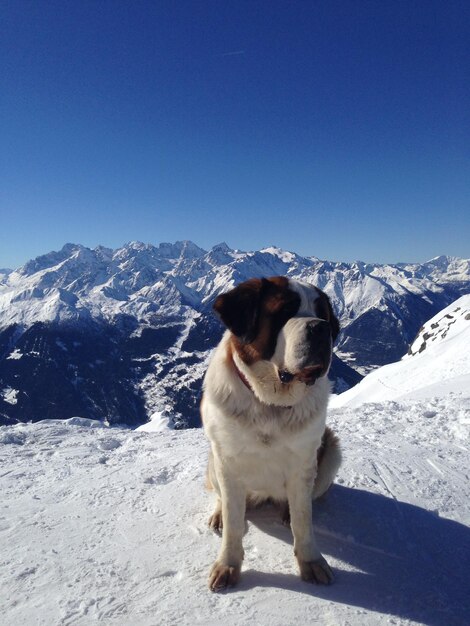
(285, 376)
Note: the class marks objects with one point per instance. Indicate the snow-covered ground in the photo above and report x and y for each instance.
(109, 525)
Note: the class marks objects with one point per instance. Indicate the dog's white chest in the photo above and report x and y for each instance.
(264, 459)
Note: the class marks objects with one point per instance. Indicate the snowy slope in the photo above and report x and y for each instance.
(438, 358)
(109, 525)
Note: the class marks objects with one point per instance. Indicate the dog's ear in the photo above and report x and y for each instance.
(325, 312)
(239, 309)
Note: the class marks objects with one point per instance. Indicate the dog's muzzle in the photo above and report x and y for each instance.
(314, 354)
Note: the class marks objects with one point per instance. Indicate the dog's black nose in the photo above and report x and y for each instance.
(285, 376)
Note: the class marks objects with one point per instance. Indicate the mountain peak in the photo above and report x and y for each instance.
(284, 255)
(50, 259)
(222, 247)
(441, 258)
(190, 249)
(185, 248)
(220, 254)
(72, 247)
(137, 245)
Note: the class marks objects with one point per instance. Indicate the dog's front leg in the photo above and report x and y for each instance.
(313, 567)
(226, 570)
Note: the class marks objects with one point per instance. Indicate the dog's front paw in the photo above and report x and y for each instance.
(223, 576)
(317, 571)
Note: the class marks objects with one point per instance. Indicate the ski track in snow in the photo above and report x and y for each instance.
(110, 525)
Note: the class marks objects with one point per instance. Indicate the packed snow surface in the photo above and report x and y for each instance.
(109, 525)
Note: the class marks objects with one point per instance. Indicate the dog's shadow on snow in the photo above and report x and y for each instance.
(387, 556)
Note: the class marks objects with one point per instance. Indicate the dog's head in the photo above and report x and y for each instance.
(282, 336)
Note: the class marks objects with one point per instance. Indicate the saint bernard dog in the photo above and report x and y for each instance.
(264, 410)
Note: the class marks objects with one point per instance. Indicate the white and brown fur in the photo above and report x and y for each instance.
(268, 436)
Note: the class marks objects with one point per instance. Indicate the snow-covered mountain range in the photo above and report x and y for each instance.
(124, 334)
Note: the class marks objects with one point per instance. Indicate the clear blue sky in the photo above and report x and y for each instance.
(332, 128)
